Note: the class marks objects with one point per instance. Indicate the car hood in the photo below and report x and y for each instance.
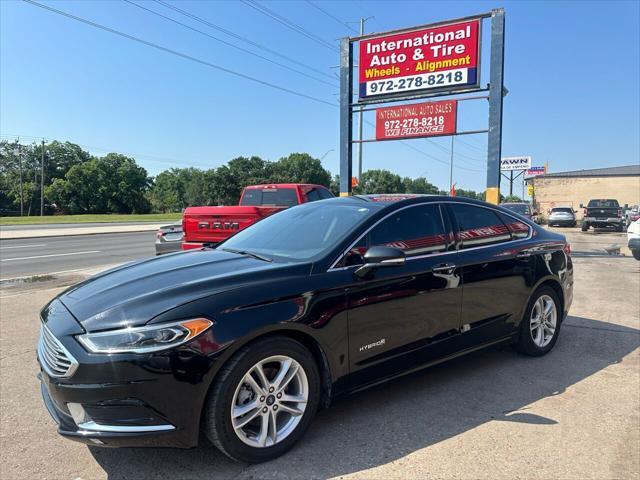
(135, 293)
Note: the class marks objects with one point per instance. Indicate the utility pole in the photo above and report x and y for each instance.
(511, 183)
(451, 167)
(361, 114)
(42, 181)
(19, 148)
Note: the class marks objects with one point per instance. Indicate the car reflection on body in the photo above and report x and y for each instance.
(247, 340)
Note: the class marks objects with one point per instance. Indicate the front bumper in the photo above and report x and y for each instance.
(128, 400)
(634, 243)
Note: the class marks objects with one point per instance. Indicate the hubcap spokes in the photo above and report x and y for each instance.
(543, 321)
(269, 401)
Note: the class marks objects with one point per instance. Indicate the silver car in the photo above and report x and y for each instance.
(562, 217)
(169, 239)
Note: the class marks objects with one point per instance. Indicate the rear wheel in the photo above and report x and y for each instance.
(636, 254)
(540, 326)
(585, 227)
(263, 401)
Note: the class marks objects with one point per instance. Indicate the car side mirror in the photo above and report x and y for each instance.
(378, 257)
(535, 212)
(581, 205)
(575, 211)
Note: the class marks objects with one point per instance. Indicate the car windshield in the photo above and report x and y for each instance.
(300, 233)
(603, 204)
(520, 208)
(561, 210)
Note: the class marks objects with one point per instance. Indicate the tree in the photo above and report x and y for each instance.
(380, 181)
(419, 185)
(301, 168)
(111, 184)
(512, 198)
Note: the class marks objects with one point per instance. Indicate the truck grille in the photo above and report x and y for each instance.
(54, 358)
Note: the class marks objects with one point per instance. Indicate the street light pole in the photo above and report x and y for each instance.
(42, 181)
(19, 147)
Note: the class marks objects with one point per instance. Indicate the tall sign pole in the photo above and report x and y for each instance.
(42, 181)
(346, 116)
(496, 87)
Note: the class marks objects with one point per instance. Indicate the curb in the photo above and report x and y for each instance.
(29, 237)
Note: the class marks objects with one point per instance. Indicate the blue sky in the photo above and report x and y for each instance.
(572, 70)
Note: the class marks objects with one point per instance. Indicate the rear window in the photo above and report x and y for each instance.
(519, 208)
(603, 204)
(563, 210)
(277, 197)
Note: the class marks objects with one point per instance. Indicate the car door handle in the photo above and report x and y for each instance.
(445, 269)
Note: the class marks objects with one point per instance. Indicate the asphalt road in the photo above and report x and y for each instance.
(572, 414)
(51, 226)
(57, 254)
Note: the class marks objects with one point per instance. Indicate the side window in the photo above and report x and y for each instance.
(313, 195)
(416, 230)
(517, 228)
(324, 193)
(479, 226)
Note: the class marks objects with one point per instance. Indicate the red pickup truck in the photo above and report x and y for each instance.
(208, 226)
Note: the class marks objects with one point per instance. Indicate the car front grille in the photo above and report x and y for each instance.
(54, 358)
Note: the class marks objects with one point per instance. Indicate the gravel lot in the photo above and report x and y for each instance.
(572, 414)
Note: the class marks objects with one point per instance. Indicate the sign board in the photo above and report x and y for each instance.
(444, 57)
(530, 190)
(515, 163)
(427, 119)
(535, 171)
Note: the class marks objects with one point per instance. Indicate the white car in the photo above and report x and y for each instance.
(633, 234)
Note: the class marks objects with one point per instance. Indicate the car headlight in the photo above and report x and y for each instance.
(150, 338)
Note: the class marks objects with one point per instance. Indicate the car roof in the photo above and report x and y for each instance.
(384, 200)
(514, 203)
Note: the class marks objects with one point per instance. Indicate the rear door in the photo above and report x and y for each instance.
(400, 310)
(497, 269)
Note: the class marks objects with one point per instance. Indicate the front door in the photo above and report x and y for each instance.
(400, 310)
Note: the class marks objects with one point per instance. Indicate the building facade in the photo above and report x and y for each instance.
(570, 189)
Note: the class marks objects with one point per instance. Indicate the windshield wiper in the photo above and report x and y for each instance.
(250, 254)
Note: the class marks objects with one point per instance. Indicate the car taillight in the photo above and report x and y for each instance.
(567, 248)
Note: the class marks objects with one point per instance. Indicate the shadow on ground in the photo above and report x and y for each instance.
(391, 421)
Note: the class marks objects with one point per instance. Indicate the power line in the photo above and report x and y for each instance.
(422, 152)
(444, 149)
(288, 23)
(179, 54)
(328, 14)
(241, 38)
(230, 44)
(150, 158)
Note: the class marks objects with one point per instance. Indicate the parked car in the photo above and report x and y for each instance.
(246, 340)
(632, 214)
(633, 235)
(521, 208)
(603, 213)
(169, 239)
(209, 226)
(562, 217)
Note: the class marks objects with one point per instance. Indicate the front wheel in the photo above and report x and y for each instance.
(263, 400)
(636, 254)
(540, 326)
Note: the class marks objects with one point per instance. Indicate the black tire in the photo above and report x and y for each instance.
(525, 343)
(620, 228)
(585, 227)
(636, 254)
(217, 419)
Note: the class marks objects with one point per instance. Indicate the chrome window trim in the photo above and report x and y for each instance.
(333, 268)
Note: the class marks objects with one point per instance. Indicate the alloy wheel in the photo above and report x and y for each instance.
(269, 401)
(544, 317)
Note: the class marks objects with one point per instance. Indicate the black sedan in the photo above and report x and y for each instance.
(246, 341)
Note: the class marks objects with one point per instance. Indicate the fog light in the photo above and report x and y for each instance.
(78, 413)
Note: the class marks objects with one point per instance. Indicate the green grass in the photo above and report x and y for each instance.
(152, 217)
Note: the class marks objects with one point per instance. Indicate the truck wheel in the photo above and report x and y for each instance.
(263, 401)
(636, 254)
(620, 228)
(585, 227)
